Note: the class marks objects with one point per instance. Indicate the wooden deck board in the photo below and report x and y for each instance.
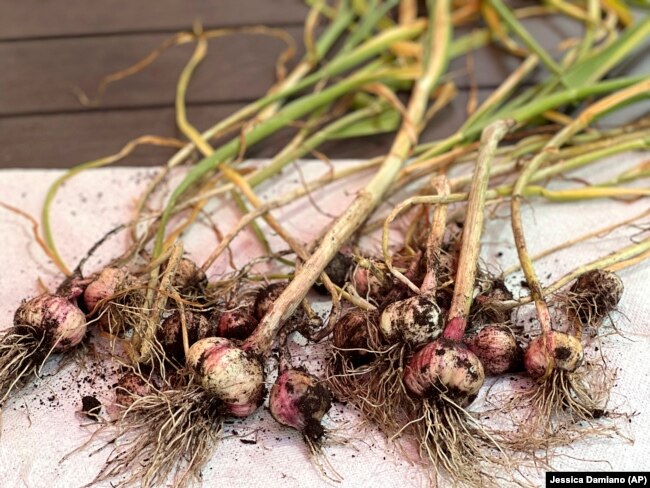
(64, 140)
(39, 76)
(52, 50)
(20, 19)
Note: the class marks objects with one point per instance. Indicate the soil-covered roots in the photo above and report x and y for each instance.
(320, 460)
(375, 389)
(587, 312)
(122, 312)
(21, 356)
(458, 449)
(368, 375)
(166, 435)
(561, 408)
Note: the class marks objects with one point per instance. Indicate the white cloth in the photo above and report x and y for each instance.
(40, 426)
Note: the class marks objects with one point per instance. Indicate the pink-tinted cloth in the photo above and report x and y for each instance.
(40, 425)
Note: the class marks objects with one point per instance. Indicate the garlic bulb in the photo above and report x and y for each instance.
(266, 297)
(170, 333)
(229, 373)
(300, 401)
(445, 366)
(55, 319)
(351, 332)
(73, 287)
(553, 350)
(497, 349)
(109, 282)
(415, 321)
(366, 283)
(597, 293)
(130, 386)
(236, 324)
(337, 270)
(188, 274)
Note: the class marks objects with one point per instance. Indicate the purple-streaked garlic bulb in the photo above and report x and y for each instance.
(170, 333)
(596, 293)
(229, 373)
(130, 386)
(414, 321)
(350, 332)
(109, 282)
(482, 311)
(554, 350)
(236, 324)
(447, 367)
(300, 400)
(73, 287)
(366, 283)
(266, 297)
(497, 349)
(54, 319)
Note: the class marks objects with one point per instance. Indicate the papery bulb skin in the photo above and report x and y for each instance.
(497, 349)
(444, 366)
(229, 373)
(266, 297)
(109, 282)
(299, 400)
(483, 311)
(553, 350)
(55, 319)
(597, 293)
(73, 287)
(366, 283)
(414, 321)
(236, 324)
(350, 333)
(170, 333)
(188, 274)
(130, 386)
(265, 301)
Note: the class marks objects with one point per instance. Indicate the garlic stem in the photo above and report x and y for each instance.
(143, 340)
(471, 243)
(438, 37)
(434, 241)
(616, 99)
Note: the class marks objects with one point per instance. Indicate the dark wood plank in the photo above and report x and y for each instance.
(64, 140)
(492, 64)
(39, 76)
(20, 19)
